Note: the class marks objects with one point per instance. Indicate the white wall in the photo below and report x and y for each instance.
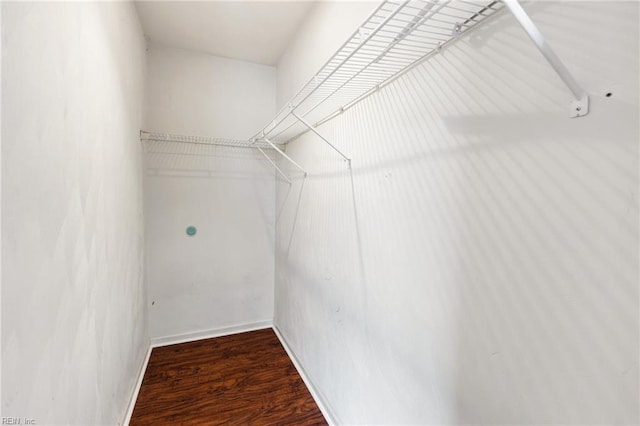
(323, 31)
(191, 93)
(479, 264)
(223, 276)
(74, 327)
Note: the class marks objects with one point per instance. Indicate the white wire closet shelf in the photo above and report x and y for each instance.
(201, 140)
(395, 37)
(155, 143)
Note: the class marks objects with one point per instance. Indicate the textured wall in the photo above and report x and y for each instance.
(323, 31)
(223, 276)
(74, 327)
(193, 93)
(479, 264)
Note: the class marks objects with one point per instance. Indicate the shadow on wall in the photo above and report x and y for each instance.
(479, 264)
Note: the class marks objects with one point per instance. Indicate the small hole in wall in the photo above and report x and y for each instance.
(153, 303)
(609, 94)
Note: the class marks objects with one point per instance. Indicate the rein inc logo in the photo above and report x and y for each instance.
(17, 421)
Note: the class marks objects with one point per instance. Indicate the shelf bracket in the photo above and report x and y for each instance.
(284, 155)
(580, 105)
(310, 127)
(284, 176)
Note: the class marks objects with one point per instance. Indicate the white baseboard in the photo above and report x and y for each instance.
(157, 342)
(315, 393)
(136, 390)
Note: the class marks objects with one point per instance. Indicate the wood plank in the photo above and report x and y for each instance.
(243, 379)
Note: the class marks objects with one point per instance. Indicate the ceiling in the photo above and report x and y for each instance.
(254, 31)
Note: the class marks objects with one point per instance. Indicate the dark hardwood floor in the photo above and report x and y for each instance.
(243, 379)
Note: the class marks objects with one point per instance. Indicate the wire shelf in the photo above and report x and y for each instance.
(170, 153)
(201, 140)
(396, 36)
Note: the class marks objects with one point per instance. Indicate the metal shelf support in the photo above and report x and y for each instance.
(580, 106)
(284, 155)
(310, 127)
(284, 176)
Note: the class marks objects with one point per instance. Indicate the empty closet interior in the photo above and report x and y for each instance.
(433, 203)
